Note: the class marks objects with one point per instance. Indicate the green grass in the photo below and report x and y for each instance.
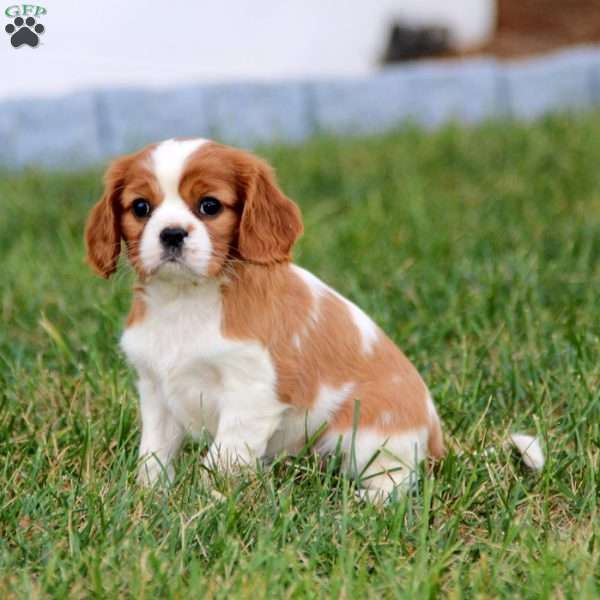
(478, 250)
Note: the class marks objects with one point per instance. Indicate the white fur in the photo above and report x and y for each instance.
(296, 341)
(530, 450)
(192, 379)
(317, 289)
(327, 403)
(387, 417)
(315, 285)
(197, 247)
(365, 325)
(381, 463)
(168, 160)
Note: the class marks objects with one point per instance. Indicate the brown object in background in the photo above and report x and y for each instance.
(528, 27)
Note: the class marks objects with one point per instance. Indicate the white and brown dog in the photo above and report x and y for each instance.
(229, 337)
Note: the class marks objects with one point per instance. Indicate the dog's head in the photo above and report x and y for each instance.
(185, 208)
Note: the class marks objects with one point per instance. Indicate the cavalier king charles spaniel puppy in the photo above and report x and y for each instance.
(229, 337)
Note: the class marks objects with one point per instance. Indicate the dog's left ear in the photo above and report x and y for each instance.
(103, 230)
(271, 223)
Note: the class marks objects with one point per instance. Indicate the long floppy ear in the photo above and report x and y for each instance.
(103, 230)
(271, 222)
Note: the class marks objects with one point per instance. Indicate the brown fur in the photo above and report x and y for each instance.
(111, 220)
(138, 308)
(274, 304)
(271, 222)
(103, 230)
(259, 223)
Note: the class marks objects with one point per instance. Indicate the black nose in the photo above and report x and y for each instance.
(172, 237)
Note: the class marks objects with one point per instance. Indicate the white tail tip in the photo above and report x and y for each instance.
(530, 450)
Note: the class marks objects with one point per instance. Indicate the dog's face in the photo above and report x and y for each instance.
(187, 208)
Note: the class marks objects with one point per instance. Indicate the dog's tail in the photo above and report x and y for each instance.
(530, 449)
(528, 445)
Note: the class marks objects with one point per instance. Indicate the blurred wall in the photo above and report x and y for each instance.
(98, 43)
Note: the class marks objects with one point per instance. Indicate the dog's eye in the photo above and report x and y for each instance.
(141, 208)
(209, 206)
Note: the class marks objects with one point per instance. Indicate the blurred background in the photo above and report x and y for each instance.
(106, 77)
(151, 43)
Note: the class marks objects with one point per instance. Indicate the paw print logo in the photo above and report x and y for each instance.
(24, 32)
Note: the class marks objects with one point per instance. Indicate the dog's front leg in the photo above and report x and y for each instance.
(161, 435)
(247, 421)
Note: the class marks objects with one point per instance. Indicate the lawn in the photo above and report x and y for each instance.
(477, 250)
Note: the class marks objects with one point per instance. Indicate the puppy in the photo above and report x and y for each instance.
(229, 337)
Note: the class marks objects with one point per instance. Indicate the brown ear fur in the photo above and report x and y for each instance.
(271, 222)
(103, 230)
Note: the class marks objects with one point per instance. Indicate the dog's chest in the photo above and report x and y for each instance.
(195, 370)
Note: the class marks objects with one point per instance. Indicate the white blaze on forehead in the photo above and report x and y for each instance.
(168, 160)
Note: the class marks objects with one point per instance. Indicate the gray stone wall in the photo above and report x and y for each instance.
(87, 128)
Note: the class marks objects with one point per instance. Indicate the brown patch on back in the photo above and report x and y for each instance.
(274, 304)
(265, 303)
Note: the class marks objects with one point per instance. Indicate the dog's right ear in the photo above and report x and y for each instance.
(103, 229)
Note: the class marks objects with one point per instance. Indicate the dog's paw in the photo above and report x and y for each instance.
(24, 32)
(228, 460)
(151, 472)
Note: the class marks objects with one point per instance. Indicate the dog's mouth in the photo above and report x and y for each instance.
(172, 256)
(172, 263)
